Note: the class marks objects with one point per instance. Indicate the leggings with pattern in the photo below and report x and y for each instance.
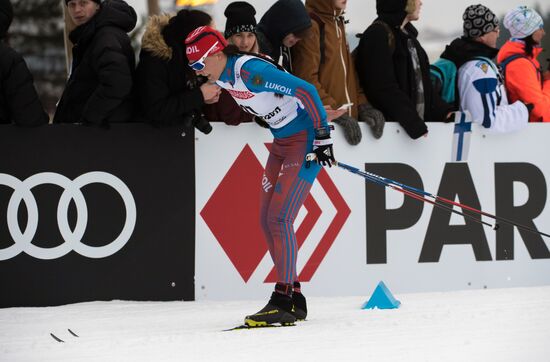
(285, 186)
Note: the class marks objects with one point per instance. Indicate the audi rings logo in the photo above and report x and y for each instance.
(72, 191)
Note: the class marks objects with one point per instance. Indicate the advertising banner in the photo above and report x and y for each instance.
(352, 234)
(93, 214)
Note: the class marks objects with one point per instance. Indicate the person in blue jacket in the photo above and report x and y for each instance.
(298, 122)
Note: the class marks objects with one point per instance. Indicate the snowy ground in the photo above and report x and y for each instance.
(481, 325)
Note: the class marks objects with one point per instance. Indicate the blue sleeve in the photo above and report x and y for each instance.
(260, 76)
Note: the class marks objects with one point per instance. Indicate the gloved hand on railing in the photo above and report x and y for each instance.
(373, 117)
(352, 131)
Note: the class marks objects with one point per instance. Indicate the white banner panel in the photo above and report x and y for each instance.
(353, 233)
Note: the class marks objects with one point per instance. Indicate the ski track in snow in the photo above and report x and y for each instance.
(477, 325)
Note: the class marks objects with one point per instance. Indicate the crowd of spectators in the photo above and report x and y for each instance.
(387, 78)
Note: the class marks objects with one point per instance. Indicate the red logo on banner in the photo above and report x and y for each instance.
(232, 214)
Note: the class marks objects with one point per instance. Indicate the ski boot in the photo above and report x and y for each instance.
(299, 306)
(277, 311)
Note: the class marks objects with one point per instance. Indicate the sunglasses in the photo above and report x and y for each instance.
(199, 64)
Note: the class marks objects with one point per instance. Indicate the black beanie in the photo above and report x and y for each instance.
(182, 24)
(95, 1)
(6, 16)
(240, 17)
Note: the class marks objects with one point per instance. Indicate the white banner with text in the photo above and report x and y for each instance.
(352, 233)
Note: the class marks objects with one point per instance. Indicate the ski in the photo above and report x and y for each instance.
(246, 326)
(57, 339)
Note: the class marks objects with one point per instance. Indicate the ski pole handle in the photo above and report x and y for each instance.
(311, 157)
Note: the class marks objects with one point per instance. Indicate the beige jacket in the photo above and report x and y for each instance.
(335, 79)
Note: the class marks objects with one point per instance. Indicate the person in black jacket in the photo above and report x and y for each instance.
(169, 92)
(19, 102)
(284, 24)
(99, 89)
(393, 69)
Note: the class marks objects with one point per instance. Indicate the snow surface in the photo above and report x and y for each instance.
(478, 325)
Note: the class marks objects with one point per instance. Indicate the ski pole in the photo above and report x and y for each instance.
(438, 199)
(422, 198)
(444, 200)
(413, 195)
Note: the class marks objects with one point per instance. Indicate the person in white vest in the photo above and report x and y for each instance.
(480, 86)
(298, 121)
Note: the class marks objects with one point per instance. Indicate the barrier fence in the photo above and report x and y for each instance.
(140, 213)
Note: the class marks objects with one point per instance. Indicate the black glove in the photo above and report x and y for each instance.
(322, 146)
(373, 117)
(530, 107)
(352, 131)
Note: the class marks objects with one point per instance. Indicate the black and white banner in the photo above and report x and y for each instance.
(92, 214)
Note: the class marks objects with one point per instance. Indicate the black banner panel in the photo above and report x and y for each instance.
(92, 214)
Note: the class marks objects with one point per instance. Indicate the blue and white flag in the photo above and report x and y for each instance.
(462, 133)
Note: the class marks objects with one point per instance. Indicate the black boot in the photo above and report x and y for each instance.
(278, 310)
(299, 303)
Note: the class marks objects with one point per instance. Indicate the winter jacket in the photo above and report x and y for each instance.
(388, 78)
(480, 89)
(167, 89)
(99, 89)
(282, 18)
(19, 102)
(524, 81)
(335, 78)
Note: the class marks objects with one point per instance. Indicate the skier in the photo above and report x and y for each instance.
(298, 122)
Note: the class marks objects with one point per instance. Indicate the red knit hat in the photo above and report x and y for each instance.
(201, 40)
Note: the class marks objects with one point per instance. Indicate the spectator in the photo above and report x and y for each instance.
(283, 25)
(394, 71)
(324, 60)
(523, 76)
(170, 93)
(19, 102)
(480, 89)
(99, 89)
(240, 30)
(240, 27)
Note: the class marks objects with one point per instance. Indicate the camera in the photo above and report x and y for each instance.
(196, 119)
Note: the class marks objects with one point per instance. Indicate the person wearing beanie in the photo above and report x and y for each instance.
(99, 89)
(299, 124)
(19, 103)
(168, 92)
(524, 79)
(240, 27)
(394, 70)
(284, 24)
(480, 89)
(240, 30)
